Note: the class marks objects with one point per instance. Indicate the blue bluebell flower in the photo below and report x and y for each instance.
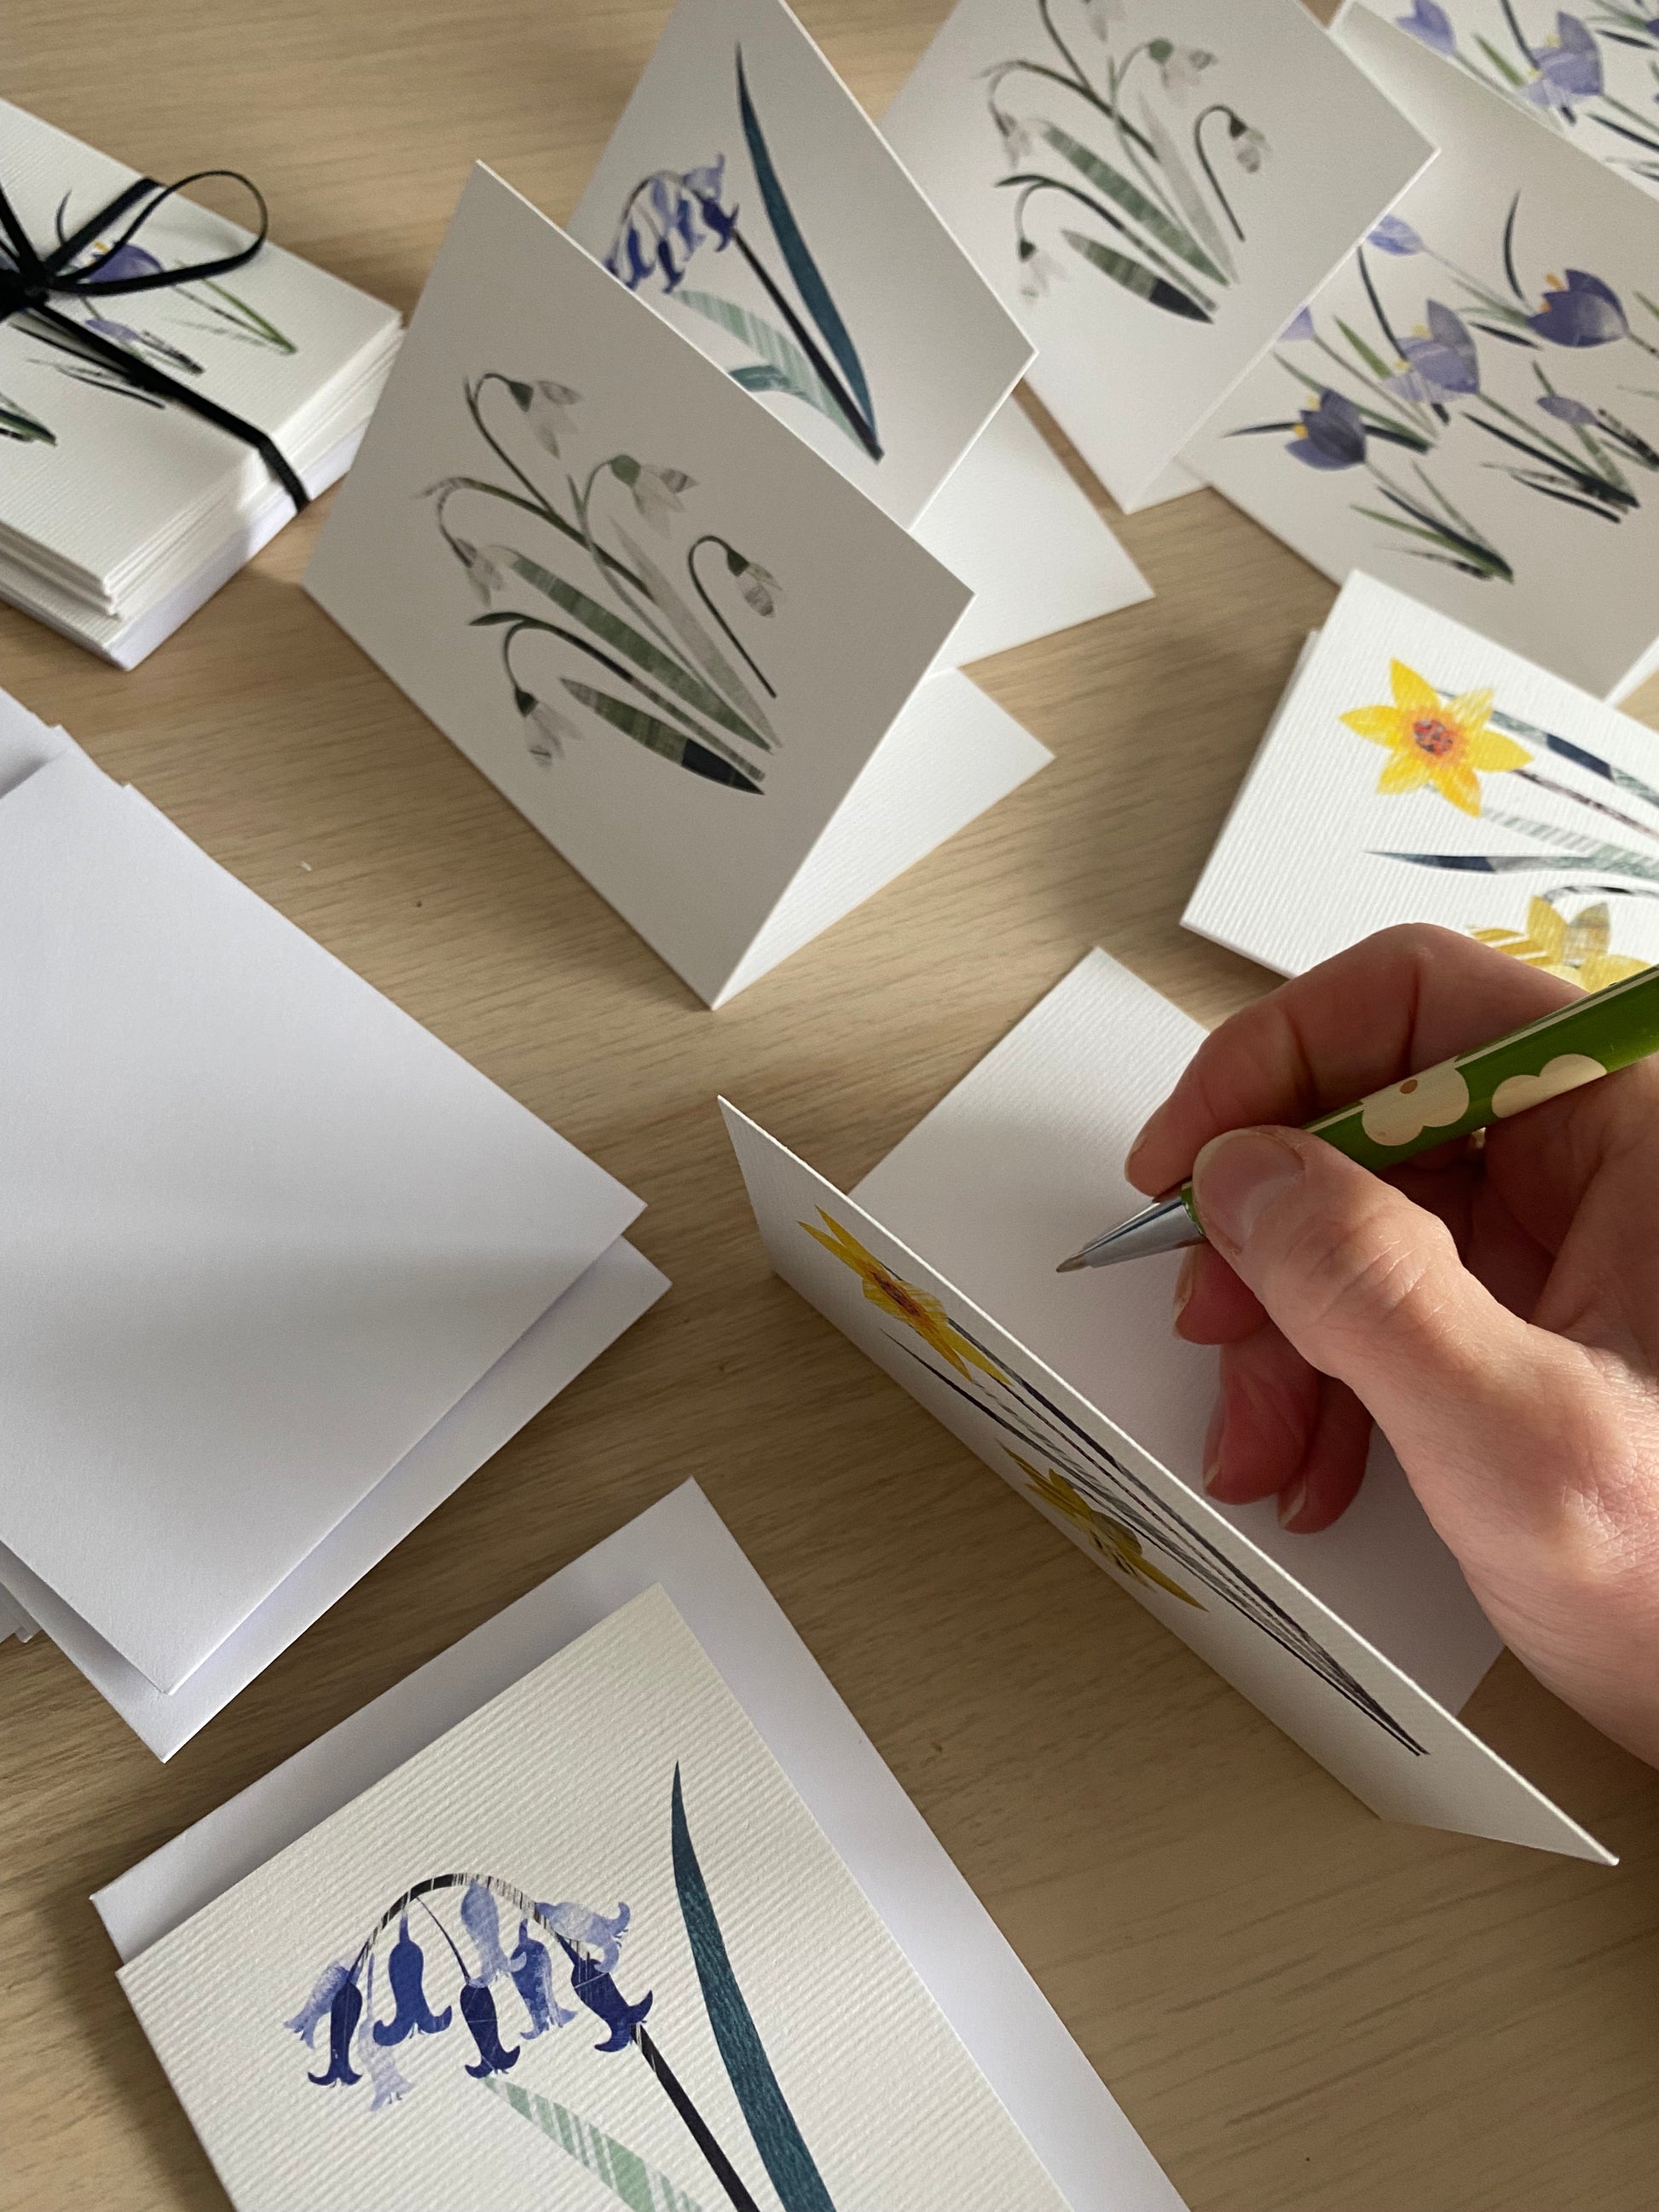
(1582, 312)
(377, 2063)
(594, 1988)
(592, 1930)
(316, 2007)
(672, 274)
(531, 1966)
(405, 1968)
(1569, 66)
(1566, 409)
(1443, 363)
(1430, 22)
(478, 2011)
(1392, 234)
(482, 1921)
(343, 2015)
(1331, 435)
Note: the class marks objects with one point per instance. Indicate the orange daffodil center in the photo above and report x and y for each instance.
(918, 1309)
(1445, 744)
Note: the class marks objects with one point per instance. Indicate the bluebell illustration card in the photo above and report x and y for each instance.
(587, 1947)
(1415, 771)
(678, 639)
(1469, 409)
(1154, 187)
(1362, 1642)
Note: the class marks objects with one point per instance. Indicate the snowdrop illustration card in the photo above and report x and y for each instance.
(1154, 186)
(746, 195)
(1362, 1642)
(487, 1979)
(1469, 409)
(1417, 772)
(1592, 77)
(678, 640)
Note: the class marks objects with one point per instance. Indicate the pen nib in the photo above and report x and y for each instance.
(1070, 1267)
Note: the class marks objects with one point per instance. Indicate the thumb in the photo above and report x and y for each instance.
(1368, 1288)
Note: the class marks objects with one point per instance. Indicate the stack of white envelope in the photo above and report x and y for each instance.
(121, 510)
(280, 1269)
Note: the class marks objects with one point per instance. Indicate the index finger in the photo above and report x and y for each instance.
(1389, 1006)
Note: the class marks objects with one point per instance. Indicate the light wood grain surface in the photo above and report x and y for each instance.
(1302, 2010)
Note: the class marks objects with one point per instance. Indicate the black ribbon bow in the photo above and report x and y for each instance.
(29, 280)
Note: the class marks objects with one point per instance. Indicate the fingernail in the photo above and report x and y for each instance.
(1235, 1178)
(1185, 1282)
(1213, 1447)
(1291, 1501)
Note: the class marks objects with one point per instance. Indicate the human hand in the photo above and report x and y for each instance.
(1493, 1308)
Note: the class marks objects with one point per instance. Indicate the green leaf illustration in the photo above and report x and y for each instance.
(1133, 201)
(1136, 278)
(782, 365)
(623, 638)
(695, 640)
(777, 2138)
(17, 423)
(642, 2187)
(1187, 193)
(718, 767)
(802, 267)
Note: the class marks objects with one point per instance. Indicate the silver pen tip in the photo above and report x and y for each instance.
(1070, 1267)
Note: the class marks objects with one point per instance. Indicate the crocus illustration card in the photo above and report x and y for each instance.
(1593, 77)
(1470, 408)
(957, 1953)
(1417, 772)
(1361, 1642)
(1155, 186)
(678, 640)
(747, 197)
(587, 1946)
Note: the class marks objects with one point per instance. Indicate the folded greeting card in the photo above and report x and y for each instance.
(281, 1269)
(745, 195)
(1361, 1642)
(1414, 771)
(416, 1965)
(1593, 78)
(1470, 408)
(135, 392)
(1155, 186)
(678, 640)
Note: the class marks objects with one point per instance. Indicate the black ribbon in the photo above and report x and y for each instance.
(29, 280)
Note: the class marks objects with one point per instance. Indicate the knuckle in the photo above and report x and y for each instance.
(1363, 1271)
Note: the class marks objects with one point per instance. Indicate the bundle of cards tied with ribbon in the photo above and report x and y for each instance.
(172, 389)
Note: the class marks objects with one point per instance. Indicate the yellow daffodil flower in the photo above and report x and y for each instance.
(1120, 1544)
(1435, 741)
(1576, 950)
(917, 1309)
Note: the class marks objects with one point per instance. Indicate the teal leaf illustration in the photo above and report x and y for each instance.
(1135, 277)
(782, 2147)
(642, 2187)
(698, 644)
(809, 282)
(782, 365)
(1117, 188)
(699, 758)
(623, 638)
(1184, 187)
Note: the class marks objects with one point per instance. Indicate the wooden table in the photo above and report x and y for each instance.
(1297, 2006)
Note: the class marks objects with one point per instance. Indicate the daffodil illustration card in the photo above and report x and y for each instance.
(1417, 772)
(1154, 187)
(672, 634)
(587, 1947)
(745, 195)
(1470, 408)
(1361, 1642)
(1592, 77)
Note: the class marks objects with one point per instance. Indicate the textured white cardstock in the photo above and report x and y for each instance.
(711, 1996)
(671, 634)
(1592, 77)
(1360, 1642)
(1051, 2093)
(1417, 772)
(1469, 409)
(263, 1230)
(1154, 186)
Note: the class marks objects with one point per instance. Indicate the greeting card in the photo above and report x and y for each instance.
(681, 643)
(1593, 78)
(1154, 187)
(745, 196)
(1361, 1642)
(459, 1977)
(1414, 771)
(1470, 408)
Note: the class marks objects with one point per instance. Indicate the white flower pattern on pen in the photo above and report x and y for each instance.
(1431, 1100)
(1566, 1071)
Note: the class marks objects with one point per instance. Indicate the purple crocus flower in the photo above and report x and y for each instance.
(316, 2007)
(1301, 326)
(1331, 436)
(342, 2026)
(482, 1922)
(1393, 235)
(1431, 23)
(127, 261)
(1565, 410)
(478, 2011)
(404, 1969)
(594, 1988)
(1582, 312)
(531, 1966)
(1569, 66)
(1444, 365)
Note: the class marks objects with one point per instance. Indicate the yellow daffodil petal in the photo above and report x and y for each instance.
(1411, 691)
(1491, 752)
(1604, 968)
(1545, 927)
(1457, 781)
(1382, 725)
(1470, 710)
(1405, 771)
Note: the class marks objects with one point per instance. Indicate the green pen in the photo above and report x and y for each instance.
(1573, 1046)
